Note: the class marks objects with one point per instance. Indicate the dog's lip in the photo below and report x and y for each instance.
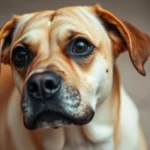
(47, 119)
(53, 119)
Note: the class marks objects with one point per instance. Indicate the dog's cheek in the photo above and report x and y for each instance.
(17, 80)
(105, 80)
(96, 85)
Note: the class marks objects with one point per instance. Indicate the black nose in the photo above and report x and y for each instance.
(43, 85)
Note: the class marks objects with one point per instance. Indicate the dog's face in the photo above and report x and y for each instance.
(62, 63)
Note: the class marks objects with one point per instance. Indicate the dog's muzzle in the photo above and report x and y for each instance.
(48, 101)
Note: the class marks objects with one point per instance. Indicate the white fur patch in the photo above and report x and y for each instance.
(95, 79)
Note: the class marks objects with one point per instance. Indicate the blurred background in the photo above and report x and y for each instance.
(136, 12)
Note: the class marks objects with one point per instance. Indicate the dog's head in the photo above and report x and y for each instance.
(62, 61)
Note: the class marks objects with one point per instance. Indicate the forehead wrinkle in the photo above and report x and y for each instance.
(80, 14)
(23, 19)
(66, 16)
(67, 13)
(56, 31)
(90, 21)
(31, 21)
(71, 34)
(26, 24)
(63, 20)
(43, 23)
(32, 36)
(81, 23)
(68, 26)
(37, 18)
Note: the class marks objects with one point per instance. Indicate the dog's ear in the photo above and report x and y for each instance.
(6, 35)
(126, 37)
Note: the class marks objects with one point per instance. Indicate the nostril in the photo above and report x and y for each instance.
(50, 85)
(34, 90)
(33, 87)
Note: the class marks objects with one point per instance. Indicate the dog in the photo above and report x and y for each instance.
(63, 90)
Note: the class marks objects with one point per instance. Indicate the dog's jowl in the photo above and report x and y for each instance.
(63, 91)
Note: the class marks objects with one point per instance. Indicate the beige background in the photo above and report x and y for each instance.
(136, 12)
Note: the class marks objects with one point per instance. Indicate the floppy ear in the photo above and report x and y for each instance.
(126, 37)
(6, 35)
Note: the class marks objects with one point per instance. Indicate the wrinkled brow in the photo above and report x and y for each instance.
(72, 34)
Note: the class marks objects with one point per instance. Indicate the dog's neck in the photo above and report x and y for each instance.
(100, 129)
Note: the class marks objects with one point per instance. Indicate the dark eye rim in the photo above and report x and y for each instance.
(83, 54)
(26, 62)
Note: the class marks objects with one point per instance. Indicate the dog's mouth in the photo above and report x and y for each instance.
(47, 119)
(59, 110)
(53, 119)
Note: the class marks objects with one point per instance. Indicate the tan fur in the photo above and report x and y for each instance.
(96, 77)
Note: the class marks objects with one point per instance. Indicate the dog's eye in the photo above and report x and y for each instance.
(20, 56)
(80, 46)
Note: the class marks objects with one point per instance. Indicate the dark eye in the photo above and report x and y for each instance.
(81, 46)
(20, 56)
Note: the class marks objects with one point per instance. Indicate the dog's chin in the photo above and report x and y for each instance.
(48, 119)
